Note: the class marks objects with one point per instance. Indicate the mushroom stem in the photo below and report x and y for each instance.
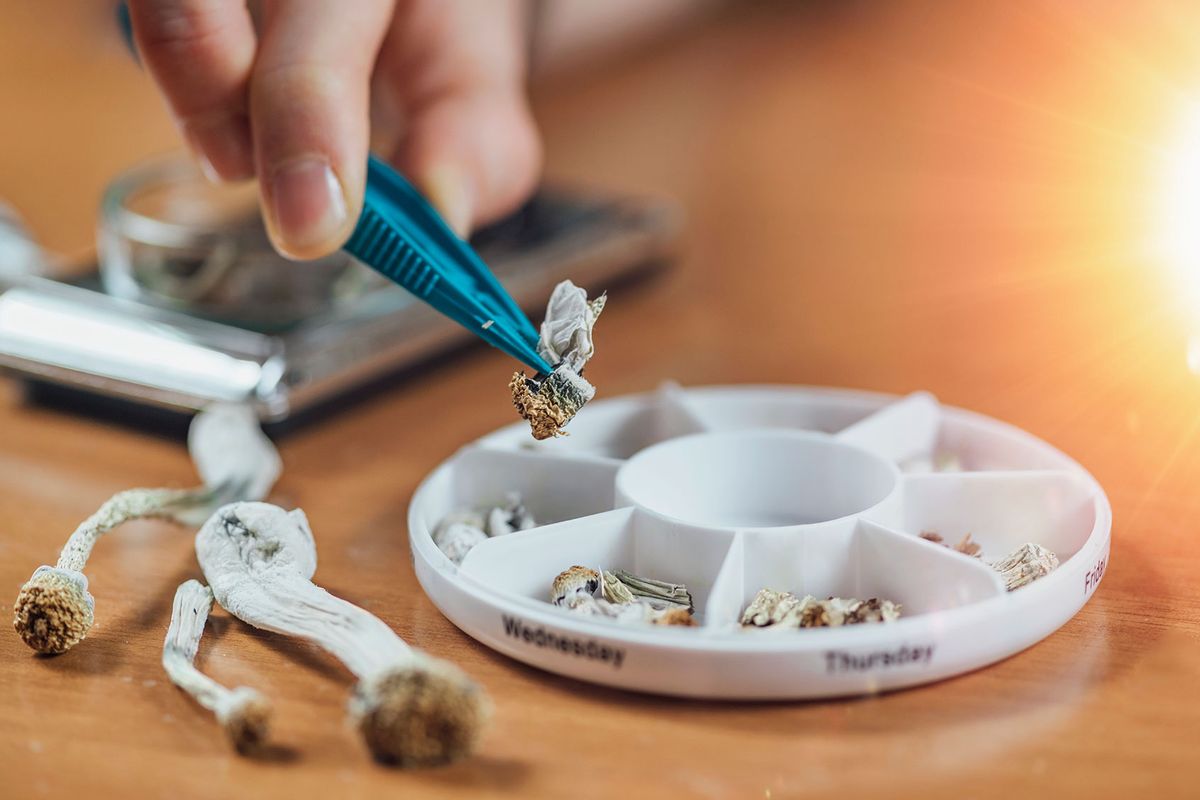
(244, 714)
(54, 610)
(411, 709)
(1025, 565)
(120, 508)
(236, 461)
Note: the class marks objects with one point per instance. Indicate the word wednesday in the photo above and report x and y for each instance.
(583, 648)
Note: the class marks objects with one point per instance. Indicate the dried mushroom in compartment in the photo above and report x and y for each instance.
(783, 610)
(624, 597)
(461, 530)
(1019, 568)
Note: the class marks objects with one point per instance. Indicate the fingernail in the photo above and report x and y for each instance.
(308, 207)
(450, 193)
(222, 146)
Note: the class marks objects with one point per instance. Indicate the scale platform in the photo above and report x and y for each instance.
(734, 489)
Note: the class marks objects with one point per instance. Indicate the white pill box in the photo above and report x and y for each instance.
(733, 489)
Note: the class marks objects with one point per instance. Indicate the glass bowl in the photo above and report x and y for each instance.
(171, 238)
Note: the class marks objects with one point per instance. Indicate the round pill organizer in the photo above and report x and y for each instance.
(733, 489)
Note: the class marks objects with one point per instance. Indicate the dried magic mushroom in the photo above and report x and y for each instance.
(1025, 565)
(966, 545)
(461, 530)
(243, 713)
(456, 536)
(624, 597)
(783, 610)
(566, 343)
(658, 592)
(1021, 567)
(54, 610)
(412, 709)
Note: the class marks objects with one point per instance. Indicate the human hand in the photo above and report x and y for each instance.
(435, 85)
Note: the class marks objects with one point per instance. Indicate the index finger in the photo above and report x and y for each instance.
(200, 53)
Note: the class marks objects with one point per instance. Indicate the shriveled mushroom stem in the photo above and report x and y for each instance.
(54, 610)
(244, 714)
(122, 507)
(655, 590)
(1025, 565)
(359, 639)
(411, 709)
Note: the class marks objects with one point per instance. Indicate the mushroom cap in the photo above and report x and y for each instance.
(545, 419)
(421, 713)
(573, 580)
(246, 720)
(54, 610)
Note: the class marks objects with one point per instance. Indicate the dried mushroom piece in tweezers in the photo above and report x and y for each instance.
(566, 343)
(54, 610)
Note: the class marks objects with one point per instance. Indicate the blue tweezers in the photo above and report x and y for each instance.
(402, 237)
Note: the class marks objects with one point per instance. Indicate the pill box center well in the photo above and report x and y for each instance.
(755, 479)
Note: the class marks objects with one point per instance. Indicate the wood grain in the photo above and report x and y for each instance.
(953, 197)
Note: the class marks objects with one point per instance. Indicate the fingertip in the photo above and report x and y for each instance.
(308, 100)
(305, 208)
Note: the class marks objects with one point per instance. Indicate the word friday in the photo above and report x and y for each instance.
(1091, 578)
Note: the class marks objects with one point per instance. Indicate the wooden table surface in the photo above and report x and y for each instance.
(954, 197)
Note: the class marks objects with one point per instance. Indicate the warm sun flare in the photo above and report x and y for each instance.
(1178, 212)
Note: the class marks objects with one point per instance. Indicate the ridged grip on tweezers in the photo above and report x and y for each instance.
(400, 236)
(374, 242)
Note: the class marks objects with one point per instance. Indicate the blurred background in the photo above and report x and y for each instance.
(995, 202)
(80, 109)
(913, 188)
